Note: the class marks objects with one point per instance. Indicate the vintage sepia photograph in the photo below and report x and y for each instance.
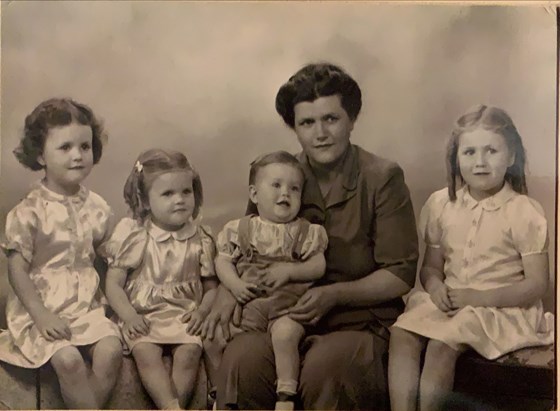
(278, 205)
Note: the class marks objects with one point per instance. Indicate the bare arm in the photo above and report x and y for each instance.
(431, 273)
(280, 273)
(229, 277)
(24, 288)
(51, 326)
(209, 286)
(114, 290)
(524, 292)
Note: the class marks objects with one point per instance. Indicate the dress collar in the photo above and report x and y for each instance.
(78, 198)
(160, 235)
(491, 203)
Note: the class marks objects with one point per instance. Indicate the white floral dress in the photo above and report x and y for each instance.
(57, 236)
(164, 275)
(483, 242)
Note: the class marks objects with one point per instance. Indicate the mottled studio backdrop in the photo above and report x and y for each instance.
(202, 77)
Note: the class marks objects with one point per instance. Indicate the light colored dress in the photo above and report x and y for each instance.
(483, 242)
(57, 235)
(164, 280)
(253, 246)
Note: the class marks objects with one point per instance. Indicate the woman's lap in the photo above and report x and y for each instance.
(340, 370)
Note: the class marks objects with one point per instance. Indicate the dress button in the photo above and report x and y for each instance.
(470, 244)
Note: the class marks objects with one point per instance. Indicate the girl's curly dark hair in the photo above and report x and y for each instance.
(56, 112)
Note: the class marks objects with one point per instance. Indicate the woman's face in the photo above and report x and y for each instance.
(323, 129)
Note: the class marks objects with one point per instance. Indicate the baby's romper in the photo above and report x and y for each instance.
(164, 275)
(253, 243)
(483, 242)
(57, 235)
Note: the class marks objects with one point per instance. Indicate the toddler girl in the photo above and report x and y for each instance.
(485, 268)
(268, 261)
(55, 313)
(160, 270)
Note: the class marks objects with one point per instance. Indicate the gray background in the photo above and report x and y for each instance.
(202, 77)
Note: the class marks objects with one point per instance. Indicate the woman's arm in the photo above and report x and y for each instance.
(522, 293)
(51, 326)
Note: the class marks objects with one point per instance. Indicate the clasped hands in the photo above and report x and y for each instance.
(451, 300)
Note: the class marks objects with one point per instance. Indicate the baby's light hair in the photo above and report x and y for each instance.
(496, 120)
(56, 112)
(150, 165)
(276, 157)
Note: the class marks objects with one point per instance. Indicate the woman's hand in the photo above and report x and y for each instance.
(462, 297)
(244, 291)
(52, 327)
(136, 326)
(313, 305)
(440, 297)
(195, 320)
(221, 313)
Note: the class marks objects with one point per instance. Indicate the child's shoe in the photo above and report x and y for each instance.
(284, 405)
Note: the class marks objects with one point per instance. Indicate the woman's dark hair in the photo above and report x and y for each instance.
(314, 81)
(498, 121)
(277, 157)
(56, 112)
(150, 165)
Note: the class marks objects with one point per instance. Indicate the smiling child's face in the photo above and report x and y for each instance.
(484, 158)
(277, 192)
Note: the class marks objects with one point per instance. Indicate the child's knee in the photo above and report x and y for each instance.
(110, 347)
(187, 355)
(285, 330)
(67, 361)
(214, 346)
(403, 339)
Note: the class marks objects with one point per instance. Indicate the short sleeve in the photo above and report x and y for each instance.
(21, 227)
(528, 226)
(103, 220)
(429, 223)
(208, 254)
(125, 248)
(316, 241)
(228, 241)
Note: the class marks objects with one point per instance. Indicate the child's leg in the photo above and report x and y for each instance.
(405, 349)
(154, 375)
(72, 373)
(186, 361)
(286, 335)
(438, 375)
(106, 361)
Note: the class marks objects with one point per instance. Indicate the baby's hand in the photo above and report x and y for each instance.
(244, 291)
(52, 327)
(276, 276)
(465, 296)
(440, 298)
(194, 320)
(136, 326)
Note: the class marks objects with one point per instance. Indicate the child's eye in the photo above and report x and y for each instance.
(167, 193)
(86, 147)
(65, 147)
(492, 150)
(297, 189)
(187, 191)
(468, 152)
